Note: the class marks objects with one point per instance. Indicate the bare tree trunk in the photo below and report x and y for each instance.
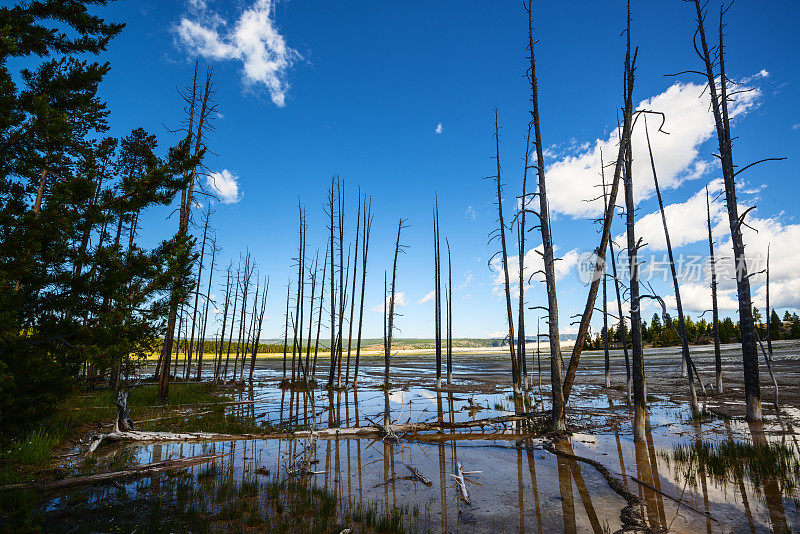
(714, 307)
(250, 332)
(639, 400)
(205, 312)
(559, 417)
(246, 274)
(218, 366)
(331, 213)
(365, 248)
(623, 329)
(719, 109)
(768, 311)
(605, 335)
(233, 321)
(686, 356)
(449, 316)
(297, 332)
(503, 251)
(342, 285)
(605, 238)
(353, 292)
(286, 327)
(258, 331)
(319, 316)
(437, 291)
(521, 231)
(389, 328)
(207, 218)
(313, 275)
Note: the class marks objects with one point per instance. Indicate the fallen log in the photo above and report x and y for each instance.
(146, 437)
(138, 471)
(118, 436)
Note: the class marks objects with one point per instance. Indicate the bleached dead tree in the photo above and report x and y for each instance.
(714, 307)
(449, 316)
(259, 323)
(367, 222)
(353, 291)
(437, 298)
(713, 57)
(201, 349)
(319, 314)
(605, 236)
(686, 357)
(218, 366)
(500, 233)
(206, 220)
(548, 258)
(390, 315)
(521, 232)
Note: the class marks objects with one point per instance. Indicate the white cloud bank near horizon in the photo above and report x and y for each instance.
(253, 39)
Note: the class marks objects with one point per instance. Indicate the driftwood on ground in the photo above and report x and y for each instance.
(139, 470)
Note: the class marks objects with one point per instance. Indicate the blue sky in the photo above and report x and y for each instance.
(308, 89)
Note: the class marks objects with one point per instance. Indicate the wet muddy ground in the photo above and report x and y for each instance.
(717, 474)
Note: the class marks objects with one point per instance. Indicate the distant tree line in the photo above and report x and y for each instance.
(657, 334)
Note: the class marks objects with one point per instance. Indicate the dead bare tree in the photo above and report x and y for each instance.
(313, 276)
(500, 233)
(714, 307)
(449, 316)
(367, 222)
(717, 86)
(342, 282)
(521, 232)
(206, 220)
(250, 331)
(214, 251)
(247, 273)
(605, 236)
(558, 398)
(353, 292)
(218, 366)
(389, 321)
(437, 291)
(639, 398)
(297, 332)
(286, 327)
(233, 320)
(319, 315)
(331, 212)
(686, 357)
(259, 323)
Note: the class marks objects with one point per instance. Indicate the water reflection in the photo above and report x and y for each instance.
(521, 488)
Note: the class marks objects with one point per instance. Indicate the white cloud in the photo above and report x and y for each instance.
(470, 213)
(796, 126)
(427, 298)
(439, 128)
(399, 301)
(225, 185)
(689, 123)
(254, 40)
(687, 221)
